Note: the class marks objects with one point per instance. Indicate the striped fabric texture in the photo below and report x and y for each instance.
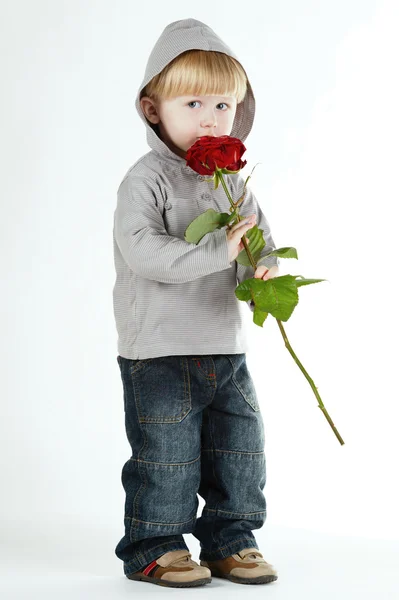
(172, 297)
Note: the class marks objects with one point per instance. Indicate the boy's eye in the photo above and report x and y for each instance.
(194, 101)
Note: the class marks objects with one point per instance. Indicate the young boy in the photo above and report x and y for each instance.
(191, 411)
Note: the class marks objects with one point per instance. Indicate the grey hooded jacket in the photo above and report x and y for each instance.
(172, 297)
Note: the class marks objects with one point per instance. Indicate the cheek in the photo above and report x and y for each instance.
(227, 121)
(179, 124)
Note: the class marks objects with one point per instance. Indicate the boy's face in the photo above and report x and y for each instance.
(183, 119)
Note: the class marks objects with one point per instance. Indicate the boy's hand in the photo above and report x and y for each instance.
(235, 233)
(262, 272)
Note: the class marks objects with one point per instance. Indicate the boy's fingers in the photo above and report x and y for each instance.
(260, 274)
(244, 224)
(239, 233)
(240, 229)
(272, 272)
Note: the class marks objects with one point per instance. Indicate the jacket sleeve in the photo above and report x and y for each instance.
(149, 250)
(251, 206)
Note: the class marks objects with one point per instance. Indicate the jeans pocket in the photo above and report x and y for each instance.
(161, 389)
(243, 381)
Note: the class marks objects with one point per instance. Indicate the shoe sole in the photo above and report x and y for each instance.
(164, 583)
(235, 579)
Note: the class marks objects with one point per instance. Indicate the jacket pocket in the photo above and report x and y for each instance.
(161, 390)
(179, 212)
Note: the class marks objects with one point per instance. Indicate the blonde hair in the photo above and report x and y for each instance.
(199, 72)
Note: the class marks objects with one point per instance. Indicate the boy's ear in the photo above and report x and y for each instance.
(149, 109)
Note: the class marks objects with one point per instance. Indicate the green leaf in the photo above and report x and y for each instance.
(259, 316)
(205, 223)
(277, 296)
(256, 243)
(286, 252)
(307, 281)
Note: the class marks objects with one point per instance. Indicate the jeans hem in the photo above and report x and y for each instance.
(228, 549)
(136, 564)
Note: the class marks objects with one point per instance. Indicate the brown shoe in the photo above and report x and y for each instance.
(173, 569)
(247, 566)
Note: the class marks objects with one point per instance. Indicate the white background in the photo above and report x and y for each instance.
(326, 134)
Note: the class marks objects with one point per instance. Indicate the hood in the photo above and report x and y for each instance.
(177, 37)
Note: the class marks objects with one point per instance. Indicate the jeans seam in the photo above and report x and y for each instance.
(162, 524)
(151, 462)
(213, 464)
(230, 451)
(227, 512)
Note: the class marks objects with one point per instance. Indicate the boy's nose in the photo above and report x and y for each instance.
(211, 125)
(209, 121)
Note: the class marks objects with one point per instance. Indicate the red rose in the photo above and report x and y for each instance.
(223, 152)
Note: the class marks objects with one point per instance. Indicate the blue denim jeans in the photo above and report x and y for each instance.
(195, 427)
